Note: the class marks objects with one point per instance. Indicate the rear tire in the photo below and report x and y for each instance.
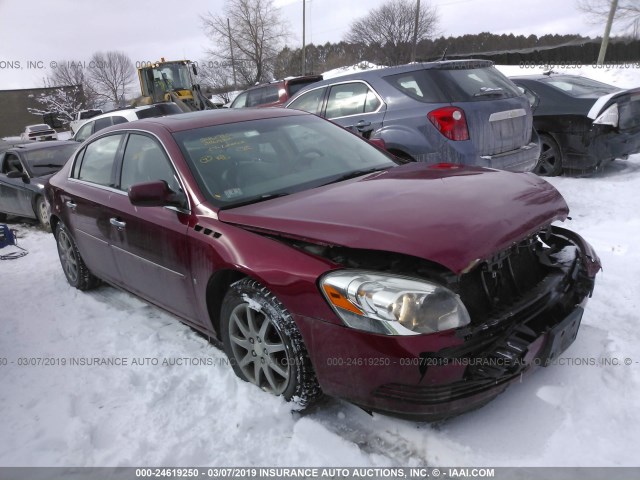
(42, 213)
(550, 161)
(264, 344)
(77, 273)
(3, 217)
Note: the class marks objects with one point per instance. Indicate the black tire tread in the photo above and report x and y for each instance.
(306, 389)
(86, 280)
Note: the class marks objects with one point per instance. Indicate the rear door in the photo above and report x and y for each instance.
(87, 202)
(149, 244)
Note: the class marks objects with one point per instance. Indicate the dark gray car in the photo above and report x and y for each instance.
(24, 170)
(458, 111)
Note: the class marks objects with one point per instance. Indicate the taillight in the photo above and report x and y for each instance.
(451, 122)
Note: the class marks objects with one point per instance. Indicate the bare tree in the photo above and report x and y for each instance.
(254, 31)
(111, 75)
(69, 73)
(216, 79)
(62, 102)
(391, 28)
(627, 13)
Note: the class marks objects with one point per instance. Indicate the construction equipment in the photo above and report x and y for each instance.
(172, 81)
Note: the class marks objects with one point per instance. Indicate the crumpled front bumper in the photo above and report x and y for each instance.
(430, 377)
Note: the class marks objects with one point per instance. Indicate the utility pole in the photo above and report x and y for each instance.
(233, 63)
(304, 59)
(415, 32)
(607, 31)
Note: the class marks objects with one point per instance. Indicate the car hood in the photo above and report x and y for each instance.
(451, 216)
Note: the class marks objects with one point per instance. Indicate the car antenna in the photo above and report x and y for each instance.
(444, 54)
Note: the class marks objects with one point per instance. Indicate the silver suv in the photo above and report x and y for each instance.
(458, 111)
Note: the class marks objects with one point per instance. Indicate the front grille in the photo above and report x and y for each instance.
(503, 280)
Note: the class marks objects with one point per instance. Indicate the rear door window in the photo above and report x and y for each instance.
(310, 101)
(85, 132)
(98, 160)
(351, 99)
(240, 101)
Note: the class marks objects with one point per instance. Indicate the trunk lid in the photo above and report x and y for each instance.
(498, 125)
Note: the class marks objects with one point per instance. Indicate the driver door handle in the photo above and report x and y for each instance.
(70, 204)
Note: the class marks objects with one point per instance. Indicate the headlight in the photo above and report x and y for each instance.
(609, 116)
(392, 305)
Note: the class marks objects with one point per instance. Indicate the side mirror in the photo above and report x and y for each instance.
(16, 174)
(155, 194)
(195, 70)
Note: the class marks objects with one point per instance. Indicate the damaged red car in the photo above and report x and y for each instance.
(324, 264)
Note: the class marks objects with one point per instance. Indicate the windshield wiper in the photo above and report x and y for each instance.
(488, 91)
(357, 173)
(259, 198)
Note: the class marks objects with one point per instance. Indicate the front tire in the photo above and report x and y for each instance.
(77, 273)
(264, 344)
(550, 161)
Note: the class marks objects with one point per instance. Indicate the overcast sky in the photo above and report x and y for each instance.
(39, 32)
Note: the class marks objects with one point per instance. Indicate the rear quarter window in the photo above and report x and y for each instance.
(419, 85)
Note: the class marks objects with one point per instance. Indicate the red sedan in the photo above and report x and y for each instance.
(322, 263)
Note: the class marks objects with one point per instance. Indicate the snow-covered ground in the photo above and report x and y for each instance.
(582, 412)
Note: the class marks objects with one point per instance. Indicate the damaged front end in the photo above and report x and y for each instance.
(525, 305)
(534, 291)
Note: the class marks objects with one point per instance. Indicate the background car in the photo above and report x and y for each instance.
(297, 245)
(42, 131)
(459, 111)
(24, 170)
(582, 123)
(273, 94)
(123, 115)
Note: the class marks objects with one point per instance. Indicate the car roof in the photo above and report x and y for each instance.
(409, 67)
(30, 147)
(123, 112)
(206, 118)
(284, 81)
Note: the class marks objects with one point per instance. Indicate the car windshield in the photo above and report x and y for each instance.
(580, 87)
(50, 159)
(246, 162)
(38, 128)
(296, 86)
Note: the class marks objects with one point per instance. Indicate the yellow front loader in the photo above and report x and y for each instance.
(172, 81)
